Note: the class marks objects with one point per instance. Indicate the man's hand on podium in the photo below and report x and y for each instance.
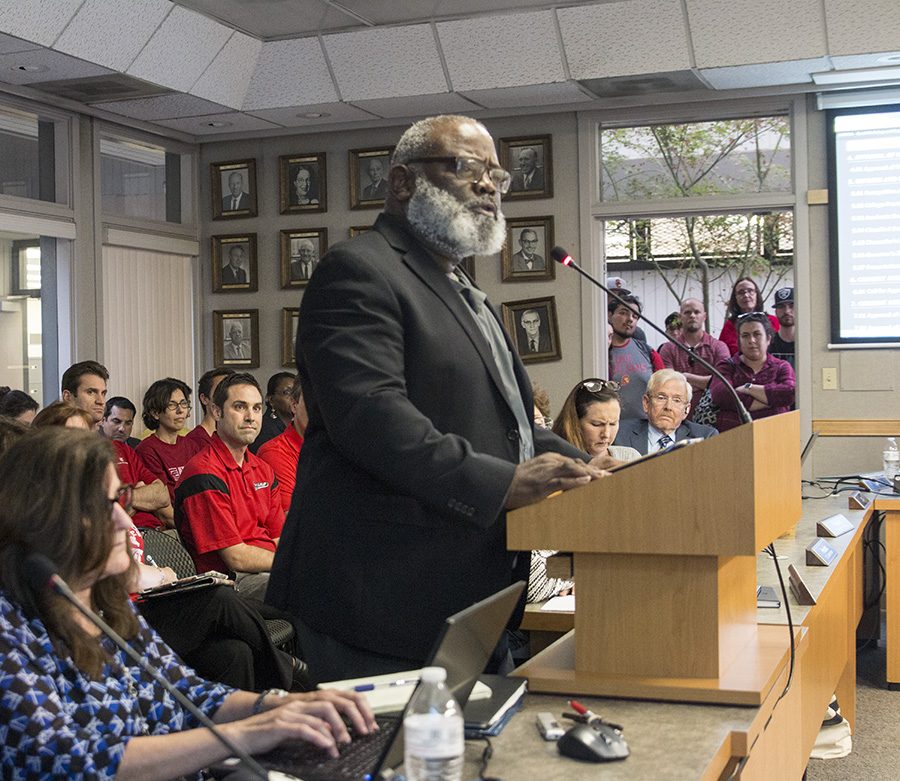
(550, 472)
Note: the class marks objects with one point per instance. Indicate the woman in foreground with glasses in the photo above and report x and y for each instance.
(72, 704)
(589, 419)
(764, 382)
(745, 297)
(167, 405)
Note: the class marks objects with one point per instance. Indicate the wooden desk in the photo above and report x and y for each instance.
(891, 509)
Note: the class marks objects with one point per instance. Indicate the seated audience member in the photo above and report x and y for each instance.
(542, 415)
(745, 298)
(10, 430)
(631, 361)
(277, 416)
(61, 413)
(227, 503)
(17, 405)
(666, 404)
(283, 452)
(764, 382)
(167, 403)
(589, 419)
(72, 705)
(118, 421)
(700, 343)
(150, 502)
(83, 384)
(204, 430)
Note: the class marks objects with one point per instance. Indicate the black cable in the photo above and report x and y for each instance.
(770, 549)
(485, 760)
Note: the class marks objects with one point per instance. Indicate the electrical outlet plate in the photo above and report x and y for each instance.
(829, 379)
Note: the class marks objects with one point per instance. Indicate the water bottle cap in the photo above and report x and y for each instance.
(434, 675)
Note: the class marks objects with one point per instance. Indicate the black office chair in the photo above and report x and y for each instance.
(165, 550)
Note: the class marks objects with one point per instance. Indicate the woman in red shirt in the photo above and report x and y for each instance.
(745, 297)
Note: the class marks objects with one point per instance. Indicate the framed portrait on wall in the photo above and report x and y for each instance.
(526, 254)
(301, 251)
(236, 338)
(233, 189)
(290, 317)
(534, 329)
(234, 263)
(355, 230)
(302, 183)
(530, 161)
(368, 177)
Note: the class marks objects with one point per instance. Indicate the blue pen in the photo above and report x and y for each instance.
(367, 687)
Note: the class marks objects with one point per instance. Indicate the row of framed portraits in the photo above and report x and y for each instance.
(303, 179)
(531, 322)
(525, 256)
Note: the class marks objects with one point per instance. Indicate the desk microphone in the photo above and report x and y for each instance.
(564, 258)
(40, 573)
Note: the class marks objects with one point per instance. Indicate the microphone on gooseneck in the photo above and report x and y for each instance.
(40, 573)
(565, 259)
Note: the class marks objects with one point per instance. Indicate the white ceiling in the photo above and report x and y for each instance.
(210, 68)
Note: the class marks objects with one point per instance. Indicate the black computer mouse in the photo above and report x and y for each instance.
(593, 743)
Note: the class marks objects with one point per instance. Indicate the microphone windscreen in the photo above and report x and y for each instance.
(559, 254)
(38, 570)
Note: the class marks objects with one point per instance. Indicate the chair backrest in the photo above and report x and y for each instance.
(166, 550)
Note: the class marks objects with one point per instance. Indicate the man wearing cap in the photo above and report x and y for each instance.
(783, 342)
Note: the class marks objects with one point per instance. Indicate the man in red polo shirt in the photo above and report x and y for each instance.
(283, 452)
(227, 501)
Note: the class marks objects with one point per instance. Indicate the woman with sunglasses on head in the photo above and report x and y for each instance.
(73, 705)
(589, 419)
(745, 297)
(167, 405)
(765, 383)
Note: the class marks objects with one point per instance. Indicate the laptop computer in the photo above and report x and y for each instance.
(463, 648)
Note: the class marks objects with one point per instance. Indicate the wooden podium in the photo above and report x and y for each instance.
(664, 557)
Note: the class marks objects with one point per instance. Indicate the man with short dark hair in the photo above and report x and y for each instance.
(206, 386)
(236, 199)
(631, 361)
(527, 258)
(233, 272)
(118, 420)
(278, 413)
(227, 502)
(783, 342)
(283, 452)
(84, 385)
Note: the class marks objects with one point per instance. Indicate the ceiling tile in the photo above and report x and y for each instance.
(510, 51)
(180, 50)
(531, 95)
(9, 44)
(419, 105)
(764, 75)
(331, 113)
(54, 67)
(227, 78)
(234, 121)
(40, 22)
(392, 11)
(290, 73)
(89, 35)
(387, 62)
(267, 19)
(624, 38)
(164, 107)
(858, 26)
(745, 32)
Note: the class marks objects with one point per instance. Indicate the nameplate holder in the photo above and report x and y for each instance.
(799, 589)
(820, 554)
(859, 501)
(834, 526)
(897, 484)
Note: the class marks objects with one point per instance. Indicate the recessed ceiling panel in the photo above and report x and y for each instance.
(9, 44)
(746, 32)
(89, 34)
(764, 75)
(268, 19)
(180, 50)
(622, 38)
(859, 26)
(39, 22)
(227, 78)
(391, 11)
(419, 105)
(289, 116)
(217, 123)
(164, 107)
(532, 95)
(503, 51)
(45, 65)
(290, 73)
(387, 62)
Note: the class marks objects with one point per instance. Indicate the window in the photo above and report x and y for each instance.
(140, 180)
(31, 156)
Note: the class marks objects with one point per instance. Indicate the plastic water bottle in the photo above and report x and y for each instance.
(891, 461)
(433, 731)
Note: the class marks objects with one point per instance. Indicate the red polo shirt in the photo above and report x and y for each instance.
(219, 504)
(282, 453)
(132, 470)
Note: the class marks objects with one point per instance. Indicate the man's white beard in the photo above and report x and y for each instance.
(450, 227)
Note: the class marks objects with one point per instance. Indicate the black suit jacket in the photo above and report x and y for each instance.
(374, 192)
(232, 277)
(633, 433)
(536, 183)
(397, 519)
(243, 202)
